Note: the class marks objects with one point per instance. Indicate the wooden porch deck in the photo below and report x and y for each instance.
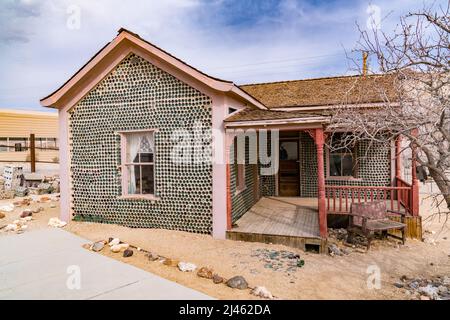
(291, 221)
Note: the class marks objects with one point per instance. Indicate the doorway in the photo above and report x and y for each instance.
(289, 170)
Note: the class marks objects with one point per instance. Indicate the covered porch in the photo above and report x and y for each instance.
(301, 219)
(291, 221)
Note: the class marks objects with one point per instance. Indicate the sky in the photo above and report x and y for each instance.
(43, 43)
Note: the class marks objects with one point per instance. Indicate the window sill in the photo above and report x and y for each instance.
(343, 179)
(139, 197)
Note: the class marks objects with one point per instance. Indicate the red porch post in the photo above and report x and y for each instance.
(320, 140)
(415, 182)
(398, 159)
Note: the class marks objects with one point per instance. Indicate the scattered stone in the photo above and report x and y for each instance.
(7, 207)
(114, 242)
(45, 199)
(334, 250)
(237, 282)
(52, 205)
(171, 262)
(127, 253)
(404, 278)
(217, 279)
(11, 227)
(346, 251)
(442, 289)
(98, 246)
(2, 215)
(29, 218)
(262, 292)
(55, 222)
(37, 210)
(399, 285)
(152, 256)
(110, 239)
(87, 246)
(119, 247)
(446, 281)
(205, 272)
(186, 266)
(26, 213)
(429, 291)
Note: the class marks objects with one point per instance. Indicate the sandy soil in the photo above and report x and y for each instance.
(322, 276)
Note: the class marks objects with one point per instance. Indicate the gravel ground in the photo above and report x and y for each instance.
(286, 272)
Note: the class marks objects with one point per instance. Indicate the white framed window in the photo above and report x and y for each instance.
(138, 166)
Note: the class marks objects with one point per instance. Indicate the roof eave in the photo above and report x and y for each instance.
(54, 100)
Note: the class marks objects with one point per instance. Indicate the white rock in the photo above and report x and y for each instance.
(186, 266)
(29, 218)
(430, 291)
(116, 248)
(11, 227)
(7, 207)
(262, 292)
(114, 242)
(119, 247)
(55, 222)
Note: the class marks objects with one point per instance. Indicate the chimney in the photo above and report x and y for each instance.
(364, 67)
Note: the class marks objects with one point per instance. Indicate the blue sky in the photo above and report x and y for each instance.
(245, 41)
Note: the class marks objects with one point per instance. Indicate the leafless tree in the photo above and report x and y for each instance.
(414, 61)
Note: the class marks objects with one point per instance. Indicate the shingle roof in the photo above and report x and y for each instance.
(325, 91)
(250, 114)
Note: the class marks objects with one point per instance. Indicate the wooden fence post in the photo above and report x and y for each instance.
(32, 153)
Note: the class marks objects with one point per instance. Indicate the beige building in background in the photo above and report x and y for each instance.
(15, 129)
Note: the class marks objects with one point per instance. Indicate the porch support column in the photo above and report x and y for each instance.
(320, 140)
(229, 137)
(398, 159)
(415, 182)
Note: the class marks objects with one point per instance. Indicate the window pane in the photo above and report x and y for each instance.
(19, 144)
(148, 181)
(335, 165)
(51, 143)
(141, 142)
(134, 179)
(347, 165)
(3, 145)
(146, 157)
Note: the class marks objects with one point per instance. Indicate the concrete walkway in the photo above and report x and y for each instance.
(44, 264)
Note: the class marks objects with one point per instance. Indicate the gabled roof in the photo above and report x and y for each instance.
(96, 69)
(326, 91)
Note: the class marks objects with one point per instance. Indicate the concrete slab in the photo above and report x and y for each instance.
(40, 264)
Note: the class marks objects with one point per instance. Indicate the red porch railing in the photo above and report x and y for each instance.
(339, 198)
(404, 196)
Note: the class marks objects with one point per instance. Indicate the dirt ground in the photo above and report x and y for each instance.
(321, 277)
